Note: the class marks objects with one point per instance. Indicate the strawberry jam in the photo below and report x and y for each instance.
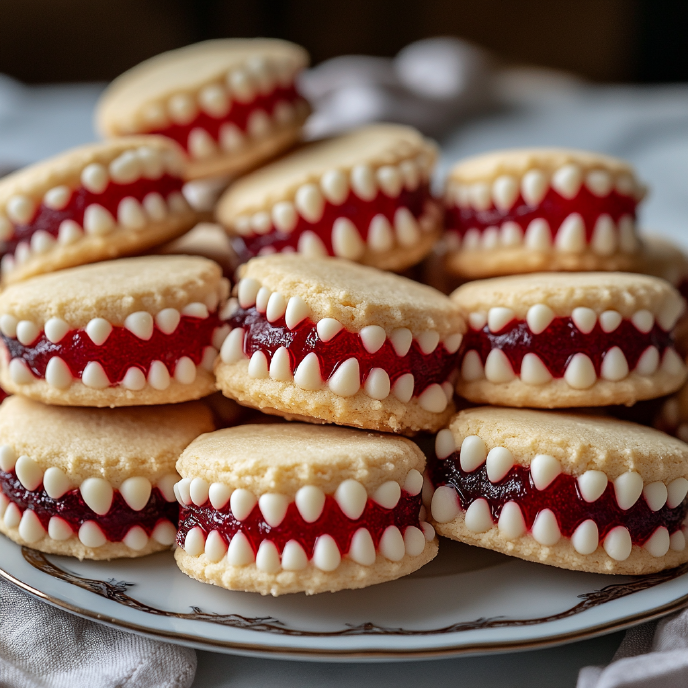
(562, 340)
(554, 208)
(561, 496)
(238, 115)
(49, 219)
(267, 337)
(359, 211)
(332, 522)
(122, 349)
(72, 508)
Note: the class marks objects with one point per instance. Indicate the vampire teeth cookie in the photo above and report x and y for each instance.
(579, 492)
(93, 483)
(99, 201)
(557, 340)
(288, 508)
(519, 211)
(231, 104)
(136, 331)
(364, 195)
(328, 340)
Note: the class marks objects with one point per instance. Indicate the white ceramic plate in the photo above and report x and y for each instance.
(468, 600)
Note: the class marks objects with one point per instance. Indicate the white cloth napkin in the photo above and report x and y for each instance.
(44, 647)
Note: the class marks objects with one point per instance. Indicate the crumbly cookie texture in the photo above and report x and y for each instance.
(349, 574)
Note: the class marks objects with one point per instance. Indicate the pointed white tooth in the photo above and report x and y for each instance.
(12, 517)
(91, 535)
(346, 379)
(363, 182)
(545, 528)
(390, 181)
(258, 366)
(166, 486)
(311, 245)
(137, 491)
(193, 310)
(498, 463)
(20, 209)
(473, 453)
(413, 483)
(534, 371)
(669, 313)
(380, 234)
(567, 180)
(183, 491)
(586, 537)
(628, 240)
(328, 328)
(335, 186)
(194, 543)
(59, 529)
(8, 458)
(388, 494)
(294, 557)
(609, 321)
(307, 374)
(628, 487)
(428, 341)
(377, 384)
(231, 137)
(30, 528)
(599, 182)
(614, 365)
(346, 241)
(229, 309)
(511, 234)
(130, 214)
(284, 216)
(511, 523)
(29, 473)
(571, 235)
(261, 223)
(98, 329)
(55, 329)
(534, 187)
(480, 195)
(214, 100)
(433, 399)
(241, 85)
(658, 543)
(391, 544)
(505, 192)
(280, 365)
(182, 108)
(643, 320)
(240, 552)
(477, 320)
(215, 547)
(655, 494)
(94, 376)
(273, 506)
(453, 342)
(22, 253)
(604, 236)
(472, 367)
(538, 236)
(677, 490)
(27, 332)
(297, 311)
(580, 372)
(152, 162)
(58, 374)
(445, 504)
(185, 371)
(56, 483)
(498, 318)
(478, 518)
(95, 178)
(19, 372)
(373, 338)
(584, 319)
(198, 490)
(618, 543)
(310, 202)
(414, 541)
(259, 124)
(403, 387)
(352, 498)
(498, 367)
(233, 347)
(410, 173)
(140, 324)
(406, 227)
(134, 379)
(276, 307)
(268, 558)
(444, 444)
(401, 339)
(310, 501)
(126, 168)
(677, 541)
(219, 494)
(98, 495)
(648, 362)
(248, 291)
(98, 220)
(242, 503)
(42, 242)
(543, 470)
(326, 555)
(471, 240)
(158, 376)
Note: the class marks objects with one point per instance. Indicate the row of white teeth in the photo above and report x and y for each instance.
(503, 192)
(628, 488)
(334, 187)
(607, 238)
(346, 380)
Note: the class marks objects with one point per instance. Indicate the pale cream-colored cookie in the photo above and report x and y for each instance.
(325, 339)
(93, 483)
(99, 201)
(288, 508)
(137, 331)
(208, 240)
(564, 340)
(363, 195)
(581, 492)
(231, 103)
(541, 209)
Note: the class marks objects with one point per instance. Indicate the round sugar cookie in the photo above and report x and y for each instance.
(93, 483)
(230, 103)
(136, 331)
(92, 203)
(285, 508)
(531, 210)
(580, 492)
(364, 195)
(331, 341)
(564, 340)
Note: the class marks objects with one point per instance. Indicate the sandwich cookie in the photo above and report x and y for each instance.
(327, 340)
(230, 103)
(557, 340)
(92, 203)
(580, 492)
(286, 508)
(94, 483)
(130, 332)
(364, 196)
(540, 209)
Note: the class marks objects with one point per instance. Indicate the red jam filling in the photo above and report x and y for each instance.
(554, 208)
(561, 496)
(49, 219)
(561, 341)
(72, 508)
(122, 349)
(267, 337)
(359, 211)
(237, 115)
(332, 522)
